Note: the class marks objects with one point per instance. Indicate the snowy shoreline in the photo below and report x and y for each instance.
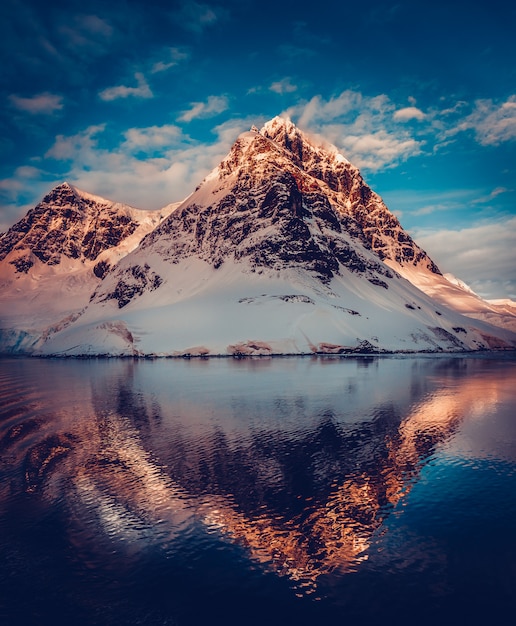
(241, 357)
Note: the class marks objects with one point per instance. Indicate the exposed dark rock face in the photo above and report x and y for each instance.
(442, 333)
(133, 282)
(372, 220)
(277, 210)
(22, 264)
(101, 269)
(66, 224)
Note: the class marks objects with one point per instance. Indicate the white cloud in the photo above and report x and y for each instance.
(227, 132)
(483, 256)
(142, 90)
(27, 172)
(12, 187)
(146, 167)
(372, 133)
(68, 148)
(151, 138)
(491, 196)
(371, 130)
(379, 150)
(149, 167)
(362, 127)
(408, 113)
(201, 110)
(493, 123)
(283, 86)
(171, 58)
(41, 104)
(345, 108)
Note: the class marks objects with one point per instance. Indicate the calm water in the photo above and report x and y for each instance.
(284, 491)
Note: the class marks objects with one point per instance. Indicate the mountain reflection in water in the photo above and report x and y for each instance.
(298, 463)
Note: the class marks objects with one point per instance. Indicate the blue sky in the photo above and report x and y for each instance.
(137, 101)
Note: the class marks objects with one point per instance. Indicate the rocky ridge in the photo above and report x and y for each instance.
(352, 199)
(68, 224)
(281, 201)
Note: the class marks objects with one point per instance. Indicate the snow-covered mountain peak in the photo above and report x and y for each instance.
(304, 146)
(68, 223)
(279, 126)
(54, 257)
(71, 230)
(281, 155)
(61, 195)
(276, 203)
(282, 248)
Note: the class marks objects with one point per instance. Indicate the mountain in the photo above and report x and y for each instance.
(53, 258)
(450, 291)
(284, 249)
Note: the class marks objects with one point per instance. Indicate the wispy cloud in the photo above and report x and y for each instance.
(361, 126)
(304, 34)
(295, 53)
(17, 191)
(69, 147)
(375, 134)
(493, 123)
(430, 209)
(39, 104)
(170, 163)
(61, 48)
(483, 256)
(421, 202)
(11, 186)
(197, 16)
(151, 138)
(147, 167)
(86, 34)
(213, 106)
(380, 149)
(384, 13)
(170, 58)
(285, 85)
(142, 90)
(408, 113)
(492, 195)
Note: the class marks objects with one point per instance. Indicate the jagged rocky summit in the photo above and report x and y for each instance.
(282, 249)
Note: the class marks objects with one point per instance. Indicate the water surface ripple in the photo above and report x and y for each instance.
(297, 490)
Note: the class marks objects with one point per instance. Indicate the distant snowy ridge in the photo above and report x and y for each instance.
(449, 291)
(503, 302)
(282, 249)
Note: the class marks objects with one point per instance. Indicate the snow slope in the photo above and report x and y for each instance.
(282, 249)
(52, 260)
(451, 292)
